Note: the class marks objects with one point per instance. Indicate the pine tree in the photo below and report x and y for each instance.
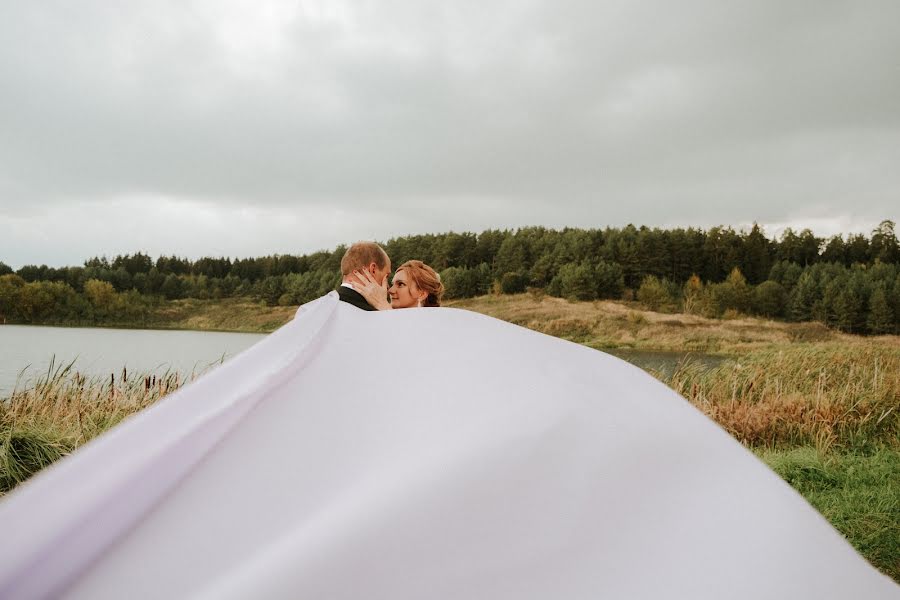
(884, 244)
(803, 297)
(849, 314)
(769, 299)
(757, 259)
(881, 317)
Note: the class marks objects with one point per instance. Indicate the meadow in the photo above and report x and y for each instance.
(818, 406)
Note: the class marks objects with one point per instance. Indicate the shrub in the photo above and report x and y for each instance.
(513, 283)
(654, 294)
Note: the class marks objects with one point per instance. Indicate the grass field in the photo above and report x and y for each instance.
(221, 315)
(819, 407)
(607, 324)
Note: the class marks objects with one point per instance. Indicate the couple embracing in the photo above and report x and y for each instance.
(365, 268)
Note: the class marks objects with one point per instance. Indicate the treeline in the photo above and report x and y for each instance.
(840, 281)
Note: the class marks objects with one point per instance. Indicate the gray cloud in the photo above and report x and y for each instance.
(409, 117)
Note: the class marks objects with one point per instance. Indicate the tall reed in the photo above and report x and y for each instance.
(63, 409)
(822, 395)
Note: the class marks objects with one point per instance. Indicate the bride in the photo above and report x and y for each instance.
(415, 284)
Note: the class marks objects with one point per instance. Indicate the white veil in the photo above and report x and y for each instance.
(430, 453)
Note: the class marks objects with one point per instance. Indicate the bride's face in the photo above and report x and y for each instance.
(404, 293)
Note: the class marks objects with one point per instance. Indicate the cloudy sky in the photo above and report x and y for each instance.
(246, 128)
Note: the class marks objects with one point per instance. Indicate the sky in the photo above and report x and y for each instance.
(246, 128)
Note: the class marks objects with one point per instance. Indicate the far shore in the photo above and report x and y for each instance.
(604, 324)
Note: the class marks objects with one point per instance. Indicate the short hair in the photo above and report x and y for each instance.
(360, 255)
(426, 279)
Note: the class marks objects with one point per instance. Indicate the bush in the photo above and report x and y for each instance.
(654, 294)
(692, 294)
(513, 283)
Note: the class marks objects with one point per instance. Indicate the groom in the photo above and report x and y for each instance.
(362, 256)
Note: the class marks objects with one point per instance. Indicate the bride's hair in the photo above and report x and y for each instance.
(426, 279)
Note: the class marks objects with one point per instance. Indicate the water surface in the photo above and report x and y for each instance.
(27, 351)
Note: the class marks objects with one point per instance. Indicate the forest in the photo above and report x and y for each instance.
(848, 282)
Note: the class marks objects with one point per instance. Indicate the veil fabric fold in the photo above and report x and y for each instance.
(429, 453)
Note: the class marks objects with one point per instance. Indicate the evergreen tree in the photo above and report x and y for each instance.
(172, 287)
(835, 251)
(787, 248)
(808, 247)
(881, 317)
(576, 282)
(849, 314)
(756, 260)
(542, 272)
(802, 298)
(512, 257)
(857, 250)
(769, 299)
(828, 307)
(884, 245)
(610, 280)
(271, 289)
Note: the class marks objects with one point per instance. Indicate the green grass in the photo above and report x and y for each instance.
(859, 495)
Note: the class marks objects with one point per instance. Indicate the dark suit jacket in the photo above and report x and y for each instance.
(353, 297)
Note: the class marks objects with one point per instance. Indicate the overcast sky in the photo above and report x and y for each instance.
(249, 128)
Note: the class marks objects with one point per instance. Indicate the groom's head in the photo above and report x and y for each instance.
(365, 256)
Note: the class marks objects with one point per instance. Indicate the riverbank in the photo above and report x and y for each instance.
(236, 315)
(603, 324)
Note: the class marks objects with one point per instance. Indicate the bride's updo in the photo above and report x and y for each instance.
(426, 279)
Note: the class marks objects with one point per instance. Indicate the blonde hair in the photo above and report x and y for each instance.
(426, 279)
(360, 255)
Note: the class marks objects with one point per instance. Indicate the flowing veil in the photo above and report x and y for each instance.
(429, 453)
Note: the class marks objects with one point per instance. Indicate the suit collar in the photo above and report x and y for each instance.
(351, 296)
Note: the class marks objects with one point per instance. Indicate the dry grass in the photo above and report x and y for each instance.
(825, 395)
(608, 324)
(64, 409)
(222, 315)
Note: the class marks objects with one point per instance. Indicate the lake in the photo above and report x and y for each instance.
(27, 351)
(100, 351)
